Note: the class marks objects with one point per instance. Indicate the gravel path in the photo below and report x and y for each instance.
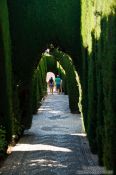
(54, 145)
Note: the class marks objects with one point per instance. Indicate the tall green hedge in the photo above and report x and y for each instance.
(39, 83)
(51, 64)
(5, 72)
(63, 76)
(72, 78)
(98, 80)
(109, 89)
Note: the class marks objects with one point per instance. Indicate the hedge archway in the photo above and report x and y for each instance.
(70, 78)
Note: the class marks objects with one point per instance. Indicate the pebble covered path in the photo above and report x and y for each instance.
(54, 145)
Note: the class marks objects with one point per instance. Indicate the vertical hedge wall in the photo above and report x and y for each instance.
(5, 72)
(63, 76)
(39, 83)
(109, 89)
(98, 33)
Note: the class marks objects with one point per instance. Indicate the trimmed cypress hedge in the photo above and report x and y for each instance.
(39, 83)
(99, 85)
(63, 76)
(51, 63)
(109, 89)
(5, 73)
(72, 79)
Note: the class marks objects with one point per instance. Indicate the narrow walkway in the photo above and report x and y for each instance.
(55, 144)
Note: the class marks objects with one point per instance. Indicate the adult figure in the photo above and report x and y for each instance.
(58, 84)
(51, 84)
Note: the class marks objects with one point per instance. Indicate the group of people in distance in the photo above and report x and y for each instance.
(57, 83)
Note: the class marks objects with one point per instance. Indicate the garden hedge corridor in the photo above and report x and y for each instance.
(83, 30)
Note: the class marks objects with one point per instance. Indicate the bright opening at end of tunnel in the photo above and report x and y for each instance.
(48, 77)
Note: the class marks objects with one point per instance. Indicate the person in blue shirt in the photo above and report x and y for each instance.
(58, 83)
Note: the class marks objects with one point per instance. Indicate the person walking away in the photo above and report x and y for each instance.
(51, 85)
(58, 83)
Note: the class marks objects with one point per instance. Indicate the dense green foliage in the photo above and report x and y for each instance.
(51, 64)
(72, 79)
(99, 80)
(39, 84)
(62, 73)
(5, 72)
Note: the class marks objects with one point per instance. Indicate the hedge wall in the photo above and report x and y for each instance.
(109, 89)
(72, 78)
(5, 73)
(62, 73)
(39, 83)
(99, 81)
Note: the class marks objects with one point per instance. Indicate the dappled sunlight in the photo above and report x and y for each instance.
(40, 147)
(47, 163)
(55, 112)
(79, 134)
(47, 108)
(61, 68)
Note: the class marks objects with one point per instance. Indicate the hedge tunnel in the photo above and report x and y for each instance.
(59, 63)
(83, 30)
